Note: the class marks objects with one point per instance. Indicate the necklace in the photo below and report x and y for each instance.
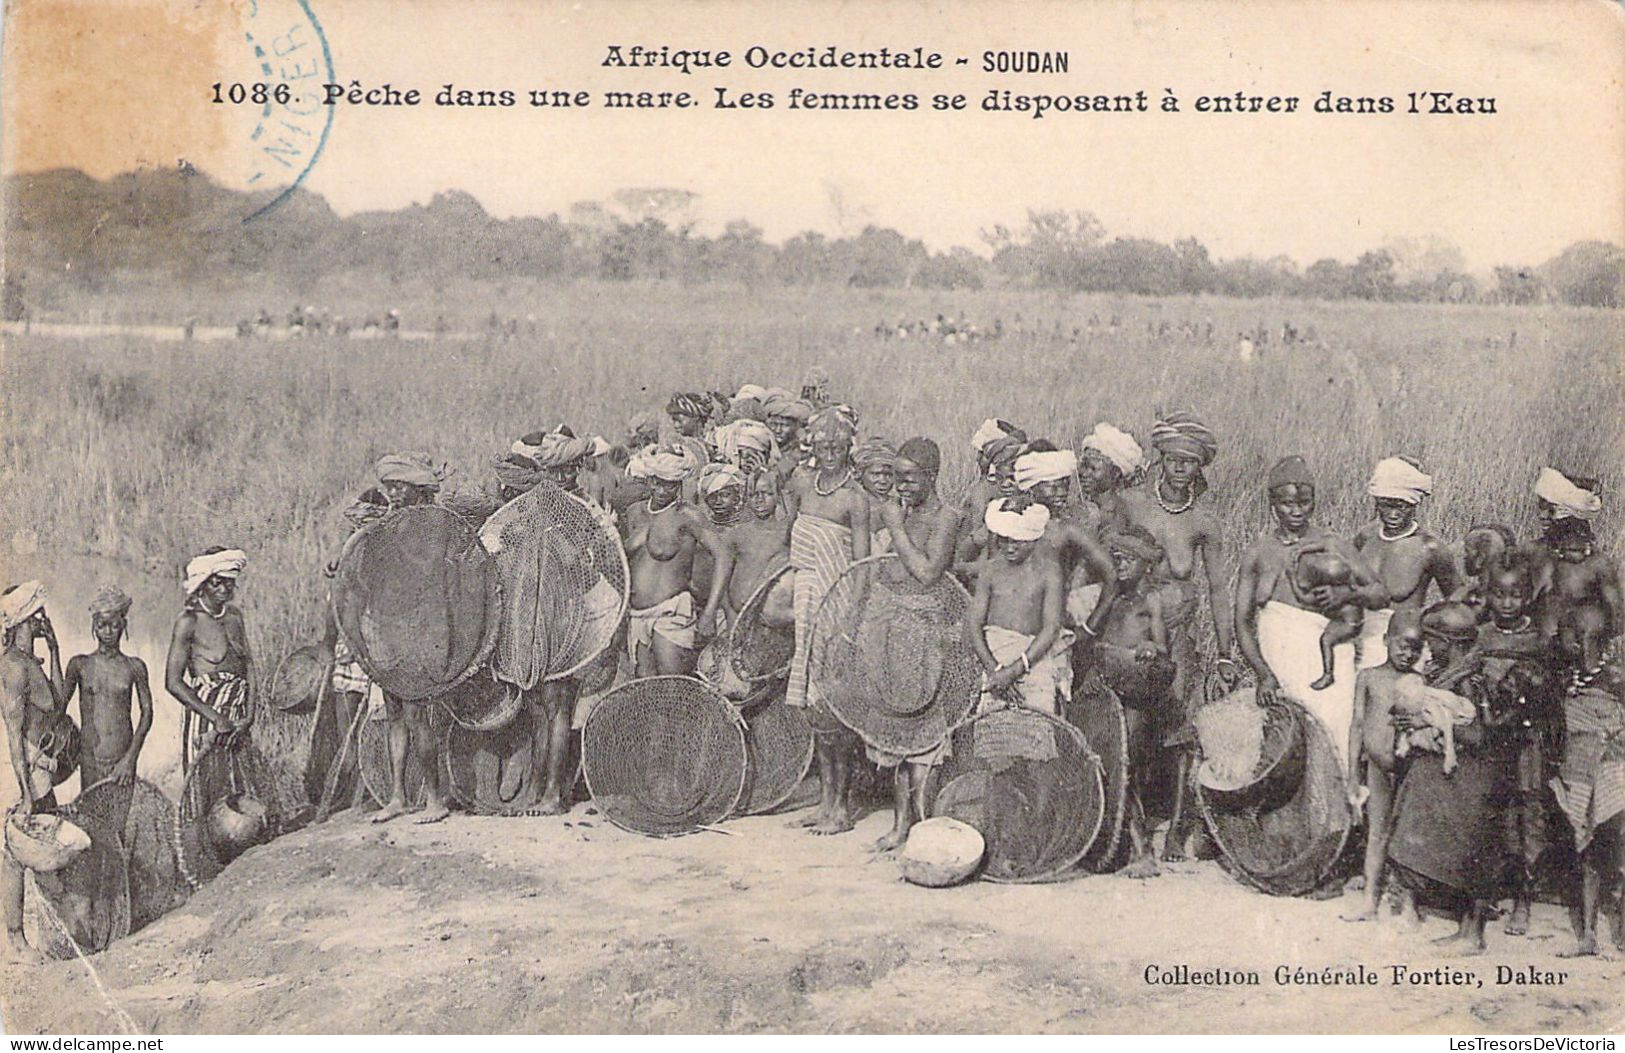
(1190, 499)
(649, 503)
(846, 477)
(1287, 539)
(1382, 532)
(1580, 681)
(1522, 626)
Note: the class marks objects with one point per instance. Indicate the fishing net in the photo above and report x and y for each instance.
(372, 755)
(481, 703)
(715, 665)
(300, 678)
(331, 772)
(779, 744)
(90, 897)
(1096, 711)
(1030, 784)
(760, 641)
(1287, 841)
(146, 820)
(492, 771)
(564, 584)
(226, 771)
(664, 756)
(419, 600)
(889, 656)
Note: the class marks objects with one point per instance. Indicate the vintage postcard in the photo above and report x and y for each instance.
(860, 516)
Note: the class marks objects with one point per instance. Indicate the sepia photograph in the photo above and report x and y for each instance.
(866, 517)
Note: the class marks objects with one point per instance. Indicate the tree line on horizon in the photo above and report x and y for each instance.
(66, 229)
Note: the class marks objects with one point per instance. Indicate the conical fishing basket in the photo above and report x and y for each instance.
(482, 703)
(564, 584)
(492, 772)
(779, 745)
(372, 755)
(300, 678)
(227, 767)
(419, 599)
(890, 659)
(760, 651)
(147, 821)
(90, 897)
(665, 756)
(1292, 846)
(1030, 784)
(1096, 711)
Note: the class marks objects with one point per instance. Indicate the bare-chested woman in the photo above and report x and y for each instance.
(1569, 569)
(1109, 462)
(829, 530)
(208, 666)
(28, 698)
(661, 536)
(1072, 537)
(1277, 631)
(1405, 557)
(760, 545)
(107, 680)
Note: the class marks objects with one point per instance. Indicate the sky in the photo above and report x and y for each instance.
(110, 85)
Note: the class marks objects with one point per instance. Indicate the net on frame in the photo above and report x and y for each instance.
(1289, 838)
(779, 745)
(664, 756)
(228, 769)
(90, 897)
(372, 757)
(1030, 784)
(491, 772)
(146, 821)
(418, 598)
(763, 636)
(482, 703)
(564, 584)
(1096, 710)
(889, 656)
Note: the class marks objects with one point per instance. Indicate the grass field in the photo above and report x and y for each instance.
(142, 453)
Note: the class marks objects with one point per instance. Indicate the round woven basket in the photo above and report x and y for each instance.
(1096, 711)
(492, 772)
(665, 756)
(759, 651)
(147, 821)
(779, 744)
(89, 897)
(300, 678)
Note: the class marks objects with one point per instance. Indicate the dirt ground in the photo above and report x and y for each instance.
(569, 924)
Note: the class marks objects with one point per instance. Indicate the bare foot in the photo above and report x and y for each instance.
(1323, 683)
(1355, 884)
(1583, 949)
(1518, 923)
(390, 811)
(834, 824)
(432, 814)
(1174, 849)
(802, 822)
(890, 843)
(1144, 867)
(1458, 946)
(1368, 914)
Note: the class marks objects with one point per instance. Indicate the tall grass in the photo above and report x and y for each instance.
(146, 452)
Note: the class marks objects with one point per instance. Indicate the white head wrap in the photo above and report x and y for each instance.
(671, 463)
(1027, 525)
(985, 433)
(227, 564)
(719, 476)
(1399, 479)
(18, 605)
(1568, 500)
(751, 391)
(1117, 446)
(1044, 467)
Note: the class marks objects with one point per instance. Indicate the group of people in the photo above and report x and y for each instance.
(1473, 695)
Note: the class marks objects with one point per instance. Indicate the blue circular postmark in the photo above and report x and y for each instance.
(283, 137)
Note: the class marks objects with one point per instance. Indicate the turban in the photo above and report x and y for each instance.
(18, 605)
(366, 509)
(835, 422)
(732, 439)
(1035, 468)
(1291, 471)
(1145, 548)
(600, 445)
(469, 500)
(1026, 525)
(517, 472)
(874, 451)
(693, 403)
(1117, 446)
(785, 406)
(1568, 500)
(1398, 478)
(643, 424)
(1004, 449)
(992, 429)
(556, 450)
(672, 464)
(745, 409)
(1181, 432)
(817, 378)
(750, 391)
(227, 563)
(922, 452)
(769, 394)
(413, 468)
(110, 599)
(718, 476)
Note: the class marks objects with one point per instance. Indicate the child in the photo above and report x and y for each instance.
(1483, 545)
(1577, 574)
(1014, 621)
(1130, 647)
(105, 680)
(1323, 567)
